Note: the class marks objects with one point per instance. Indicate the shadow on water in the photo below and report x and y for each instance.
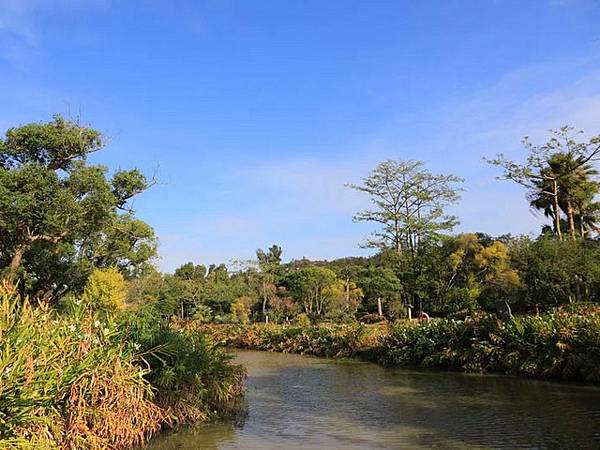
(305, 402)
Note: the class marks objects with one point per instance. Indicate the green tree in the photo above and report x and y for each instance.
(557, 272)
(105, 291)
(55, 206)
(409, 204)
(381, 287)
(310, 287)
(269, 264)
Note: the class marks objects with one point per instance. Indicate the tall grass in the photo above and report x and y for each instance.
(194, 379)
(80, 380)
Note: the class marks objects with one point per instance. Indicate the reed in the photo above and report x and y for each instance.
(78, 380)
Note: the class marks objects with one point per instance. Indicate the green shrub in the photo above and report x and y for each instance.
(302, 320)
(557, 345)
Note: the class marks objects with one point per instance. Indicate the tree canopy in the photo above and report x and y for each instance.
(61, 216)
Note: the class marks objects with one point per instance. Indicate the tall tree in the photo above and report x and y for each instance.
(54, 204)
(380, 286)
(269, 264)
(409, 203)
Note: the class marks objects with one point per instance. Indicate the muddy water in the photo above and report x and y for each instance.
(300, 402)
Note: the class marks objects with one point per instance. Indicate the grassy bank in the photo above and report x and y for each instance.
(560, 345)
(85, 380)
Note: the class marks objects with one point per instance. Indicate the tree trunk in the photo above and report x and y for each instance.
(556, 209)
(571, 219)
(15, 262)
(264, 305)
(379, 307)
(397, 237)
(578, 288)
(347, 291)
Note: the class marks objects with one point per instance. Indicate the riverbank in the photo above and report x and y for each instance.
(560, 345)
(81, 379)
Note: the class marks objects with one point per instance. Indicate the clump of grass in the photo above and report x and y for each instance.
(66, 382)
(194, 378)
(81, 380)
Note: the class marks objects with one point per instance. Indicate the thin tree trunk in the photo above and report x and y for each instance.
(571, 219)
(397, 236)
(264, 305)
(347, 290)
(556, 209)
(379, 307)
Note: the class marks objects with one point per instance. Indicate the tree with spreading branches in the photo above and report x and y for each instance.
(59, 210)
(409, 204)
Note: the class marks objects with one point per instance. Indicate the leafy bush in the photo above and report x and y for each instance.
(105, 290)
(320, 340)
(193, 378)
(302, 320)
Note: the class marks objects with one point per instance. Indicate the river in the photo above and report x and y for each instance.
(302, 402)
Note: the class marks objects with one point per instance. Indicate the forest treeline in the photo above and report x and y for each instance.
(419, 265)
(63, 217)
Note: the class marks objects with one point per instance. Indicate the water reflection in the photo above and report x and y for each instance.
(297, 402)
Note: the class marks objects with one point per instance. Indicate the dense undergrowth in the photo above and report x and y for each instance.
(80, 379)
(562, 345)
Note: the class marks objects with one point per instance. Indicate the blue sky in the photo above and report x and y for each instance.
(258, 112)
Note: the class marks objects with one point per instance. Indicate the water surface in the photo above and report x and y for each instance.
(301, 402)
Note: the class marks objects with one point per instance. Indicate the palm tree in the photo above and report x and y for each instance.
(574, 196)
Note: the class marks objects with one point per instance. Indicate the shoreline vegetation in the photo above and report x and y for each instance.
(84, 380)
(100, 350)
(559, 345)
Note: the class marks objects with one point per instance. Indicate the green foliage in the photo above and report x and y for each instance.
(409, 204)
(240, 309)
(557, 345)
(105, 291)
(203, 314)
(310, 287)
(557, 272)
(302, 320)
(69, 382)
(560, 180)
(320, 340)
(563, 345)
(60, 216)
